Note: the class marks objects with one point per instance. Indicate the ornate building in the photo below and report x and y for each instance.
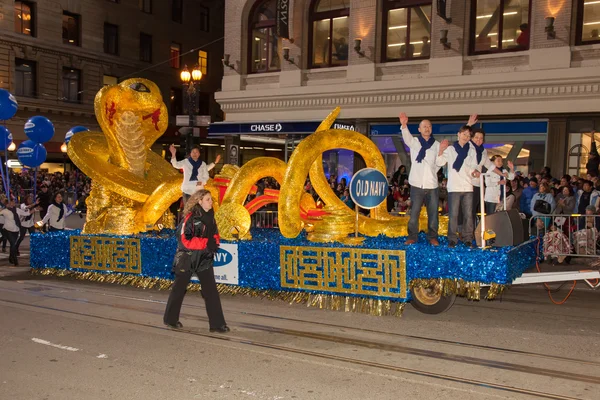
(55, 56)
(529, 68)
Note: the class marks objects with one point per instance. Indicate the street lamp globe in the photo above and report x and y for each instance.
(196, 74)
(185, 75)
(12, 146)
(63, 148)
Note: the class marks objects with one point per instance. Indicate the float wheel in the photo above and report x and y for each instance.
(429, 300)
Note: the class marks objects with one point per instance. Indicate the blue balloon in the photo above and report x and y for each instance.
(5, 138)
(8, 105)
(39, 129)
(31, 154)
(74, 130)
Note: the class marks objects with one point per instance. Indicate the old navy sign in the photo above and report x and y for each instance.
(368, 188)
(282, 25)
(302, 127)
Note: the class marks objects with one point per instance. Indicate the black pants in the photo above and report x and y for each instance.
(31, 230)
(209, 292)
(12, 238)
(53, 229)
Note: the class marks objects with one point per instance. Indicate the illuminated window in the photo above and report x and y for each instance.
(70, 28)
(588, 22)
(175, 59)
(264, 54)
(500, 25)
(203, 61)
(24, 18)
(108, 80)
(408, 30)
(329, 33)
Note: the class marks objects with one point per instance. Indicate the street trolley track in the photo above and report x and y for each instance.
(354, 361)
(266, 316)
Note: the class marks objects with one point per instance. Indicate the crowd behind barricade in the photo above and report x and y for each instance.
(18, 207)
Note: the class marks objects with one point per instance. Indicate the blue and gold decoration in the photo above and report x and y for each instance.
(372, 277)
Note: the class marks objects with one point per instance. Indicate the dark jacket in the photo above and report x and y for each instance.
(197, 242)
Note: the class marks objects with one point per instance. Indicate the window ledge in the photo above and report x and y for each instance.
(259, 74)
(404, 62)
(594, 46)
(497, 55)
(326, 69)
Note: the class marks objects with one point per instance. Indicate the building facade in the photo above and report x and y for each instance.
(529, 68)
(56, 55)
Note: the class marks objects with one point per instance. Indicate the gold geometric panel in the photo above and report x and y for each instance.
(106, 254)
(372, 272)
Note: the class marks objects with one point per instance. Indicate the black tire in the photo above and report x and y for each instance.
(427, 302)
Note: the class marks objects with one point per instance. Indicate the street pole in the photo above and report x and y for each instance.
(190, 134)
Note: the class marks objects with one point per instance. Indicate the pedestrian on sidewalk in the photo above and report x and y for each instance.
(11, 229)
(197, 242)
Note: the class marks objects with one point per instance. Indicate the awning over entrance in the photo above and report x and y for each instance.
(494, 128)
(271, 127)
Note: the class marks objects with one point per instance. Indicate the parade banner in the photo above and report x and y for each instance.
(283, 20)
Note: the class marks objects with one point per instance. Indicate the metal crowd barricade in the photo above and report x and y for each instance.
(567, 235)
(265, 219)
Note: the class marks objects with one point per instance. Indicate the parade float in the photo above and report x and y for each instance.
(330, 257)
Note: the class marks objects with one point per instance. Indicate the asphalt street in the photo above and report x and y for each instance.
(68, 339)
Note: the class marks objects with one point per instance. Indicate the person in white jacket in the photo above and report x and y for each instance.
(462, 167)
(423, 180)
(25, 213)
(195, 171)
(56, 215)
(496, 183)
(11, 229)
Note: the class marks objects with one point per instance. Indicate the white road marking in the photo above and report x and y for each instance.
(58, 346)
(102, 356)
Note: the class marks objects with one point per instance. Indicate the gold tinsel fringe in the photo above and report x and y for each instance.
(361, 305)
(459, 287)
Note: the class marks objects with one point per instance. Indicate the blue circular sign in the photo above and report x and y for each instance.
(31, 154)
(8, 105)
(74, 130)
(39, 129)
(368, 188)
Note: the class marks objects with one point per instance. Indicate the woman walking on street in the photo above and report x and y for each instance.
(197, 242)
(26, 216)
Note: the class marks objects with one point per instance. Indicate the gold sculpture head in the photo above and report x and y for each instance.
(133, 102)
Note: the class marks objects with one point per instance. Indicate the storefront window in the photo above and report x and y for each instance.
(408, 30)
(264, 43)
(588, 26)
(329, 33)
(500, 25)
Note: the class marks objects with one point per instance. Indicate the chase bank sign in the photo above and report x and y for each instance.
(266, 128)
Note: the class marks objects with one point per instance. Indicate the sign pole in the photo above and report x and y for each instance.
(356, 222)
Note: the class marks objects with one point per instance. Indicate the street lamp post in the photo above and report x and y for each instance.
(191, 80)
(63, 149)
